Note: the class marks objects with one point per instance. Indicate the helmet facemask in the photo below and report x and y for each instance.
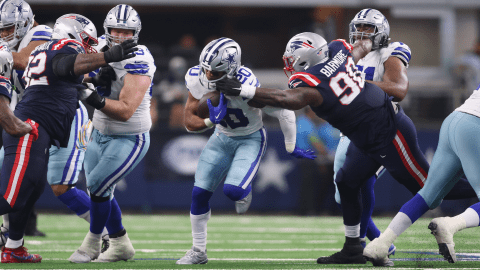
(88, 42)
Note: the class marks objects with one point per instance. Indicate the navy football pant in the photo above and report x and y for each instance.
(23, 177)
(402, 158)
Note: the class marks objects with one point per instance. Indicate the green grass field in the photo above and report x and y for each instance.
(240, 242)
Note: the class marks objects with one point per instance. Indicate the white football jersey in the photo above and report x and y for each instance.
(472, 104)
(372, 65)
(241, 119)
(141, 121)
(39, 32)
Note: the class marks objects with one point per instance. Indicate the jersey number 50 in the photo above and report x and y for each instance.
(351, 79)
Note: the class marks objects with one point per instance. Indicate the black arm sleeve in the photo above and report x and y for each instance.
(63, 65)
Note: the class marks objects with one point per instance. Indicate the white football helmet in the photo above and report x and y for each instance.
(374, 18)
(6, 60)
(78, 27)
(123, 17)
(304, 51)
(220, 55)
(15, 13)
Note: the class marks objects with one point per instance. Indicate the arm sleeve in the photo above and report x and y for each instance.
(63, 65)
(287, 124)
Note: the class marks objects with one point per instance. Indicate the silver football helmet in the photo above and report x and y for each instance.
(123, 17)
(220, 55)
(304, 51)
(375, 19)
(6, 60)
(17, 14)
(78, 27)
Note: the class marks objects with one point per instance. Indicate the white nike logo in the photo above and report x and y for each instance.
(239, 89)
(383, 156)
(218, 115)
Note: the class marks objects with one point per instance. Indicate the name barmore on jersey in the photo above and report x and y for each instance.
(241, 119)
(141, 121)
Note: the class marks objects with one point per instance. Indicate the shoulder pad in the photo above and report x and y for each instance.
(141, 64)
(41, 32)
(342, 43)
(68, 43)
(246, 76)
(304, 79)
(400, 50)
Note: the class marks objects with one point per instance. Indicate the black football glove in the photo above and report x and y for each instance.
(88, 93)
(121, 52)
(104, 77)
(229, 86)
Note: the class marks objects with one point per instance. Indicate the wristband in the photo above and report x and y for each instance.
(208, 122)
(289, 147)
(248, 91)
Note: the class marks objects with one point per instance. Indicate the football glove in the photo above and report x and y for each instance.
(91, 96)
(104, 77)
(219, 112)
(300, 153)
(233, 87)
(120, 52)
(84, 135)
(34, 131)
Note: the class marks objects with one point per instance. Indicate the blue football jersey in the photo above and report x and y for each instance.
(6, 87)
(50, 100)
(360, 110)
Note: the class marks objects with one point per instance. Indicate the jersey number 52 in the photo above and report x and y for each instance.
(36, 66)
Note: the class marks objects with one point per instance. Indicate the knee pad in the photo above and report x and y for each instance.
(200, 199)
(233, 192)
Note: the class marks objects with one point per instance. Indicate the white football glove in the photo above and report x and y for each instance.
(84, 135)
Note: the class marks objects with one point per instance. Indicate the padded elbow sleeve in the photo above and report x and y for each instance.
(63, 65)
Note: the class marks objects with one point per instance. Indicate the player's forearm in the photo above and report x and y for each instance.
(396, 90)
(85, 63)
(118, 110)
(19, 61)
(9, 122)
(277, 98)
(360, 49)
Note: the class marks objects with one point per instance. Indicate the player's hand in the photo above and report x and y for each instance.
(219, 112)
(300, 153)
(84, 135)
(105, 76)
(34, 131)
(229, 86)
(91, 96)
(120, 52)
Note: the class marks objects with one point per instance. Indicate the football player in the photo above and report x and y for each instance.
(457, 150)
(52, 79)
(328, 80)
(235, 149)
(120, 137)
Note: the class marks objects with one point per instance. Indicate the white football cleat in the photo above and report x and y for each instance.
(443, 233)
(242, 205)
(89, 250)
(120, 249)
(194, 256)
(377, 252)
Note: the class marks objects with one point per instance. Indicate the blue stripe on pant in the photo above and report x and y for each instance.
(110, 158)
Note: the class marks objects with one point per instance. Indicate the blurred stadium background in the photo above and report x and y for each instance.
(445, 67)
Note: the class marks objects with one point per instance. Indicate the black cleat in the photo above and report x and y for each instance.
(350, 254)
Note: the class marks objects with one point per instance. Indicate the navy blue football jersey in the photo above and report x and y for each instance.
(50, 100)
(360, 110)
(6, 87)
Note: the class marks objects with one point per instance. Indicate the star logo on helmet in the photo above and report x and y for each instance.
(229, 56)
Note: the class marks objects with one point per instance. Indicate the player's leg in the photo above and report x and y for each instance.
(248, 155)
(22, 181)
(357, 169)
(444, 173)
(212, 167)
(108, 159)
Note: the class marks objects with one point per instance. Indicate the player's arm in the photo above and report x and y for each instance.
(395, 79)
(131, 96)
(20, 59)
(9, 122)
(360, 49)
(193, 123)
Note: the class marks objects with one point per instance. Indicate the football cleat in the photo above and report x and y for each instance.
(120, 249)
(444, 235)
(194, 256)
(377, 252)
(242, 205)
(88, 251)
(350, 254)
(105, 243)
(19, 255)
(391, 250)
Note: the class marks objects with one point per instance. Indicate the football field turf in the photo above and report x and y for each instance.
(240, 242)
